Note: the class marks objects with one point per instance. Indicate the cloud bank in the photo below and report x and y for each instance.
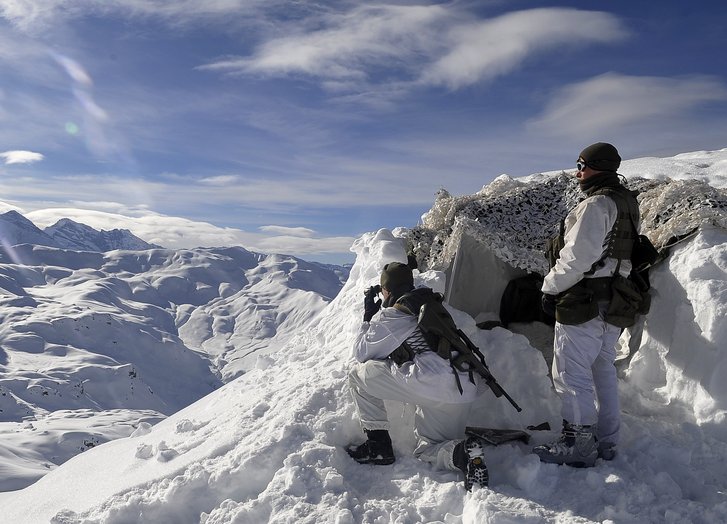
(21, 157)
(612, 101)
(180, 233)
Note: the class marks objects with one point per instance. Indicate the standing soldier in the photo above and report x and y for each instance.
(595, 248)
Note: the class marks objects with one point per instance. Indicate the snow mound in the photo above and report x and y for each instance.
(682, 361)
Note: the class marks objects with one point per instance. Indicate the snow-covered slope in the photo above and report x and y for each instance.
(91, 344)
(266, 447)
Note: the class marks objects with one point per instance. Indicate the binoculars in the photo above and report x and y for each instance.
(375, 290)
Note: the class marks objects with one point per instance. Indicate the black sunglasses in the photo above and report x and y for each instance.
(581, 165)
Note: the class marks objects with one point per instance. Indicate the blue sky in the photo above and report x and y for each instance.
(293, 126)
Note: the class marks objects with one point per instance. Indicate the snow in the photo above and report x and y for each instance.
(266, 446)
(95, 344)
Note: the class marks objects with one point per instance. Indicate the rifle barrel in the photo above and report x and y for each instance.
(496, 388)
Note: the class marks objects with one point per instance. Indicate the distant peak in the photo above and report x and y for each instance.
(16, 218)
(65, 222)
(13, 215)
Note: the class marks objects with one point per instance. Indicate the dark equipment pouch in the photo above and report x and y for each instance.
(576, 305)
(627, 301)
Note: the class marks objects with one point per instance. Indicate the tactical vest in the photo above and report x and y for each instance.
(418, 342)
(619, 241)
(580, 303)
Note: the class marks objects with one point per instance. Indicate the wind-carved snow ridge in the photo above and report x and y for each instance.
(515, 218)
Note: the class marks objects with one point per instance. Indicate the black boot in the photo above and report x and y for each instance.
(576, 447)
(469, 458)
(376, 450)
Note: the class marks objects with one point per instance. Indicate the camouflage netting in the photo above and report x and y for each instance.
(516, 217)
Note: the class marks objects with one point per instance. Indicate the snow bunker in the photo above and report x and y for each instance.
(483, 241)
(477, 277)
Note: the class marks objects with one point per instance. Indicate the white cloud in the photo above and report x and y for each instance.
(22, 12)
(427, 45)
(484, 50)
(178, 195)
(611, 102)
(180, 233)
(39, 15)
(302, 232)
(221, 180)
(21, 157)
(349, 46)
(111, 207)
(5, 207)
(304, 246)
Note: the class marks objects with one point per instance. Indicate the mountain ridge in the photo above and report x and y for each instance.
(16, 229)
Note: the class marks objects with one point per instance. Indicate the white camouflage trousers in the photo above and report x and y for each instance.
(584, 375)
(437, 426)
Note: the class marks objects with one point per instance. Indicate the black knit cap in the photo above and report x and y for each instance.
(601, 157)
(397, 277)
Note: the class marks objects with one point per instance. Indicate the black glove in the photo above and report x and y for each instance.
(371, 305)
(548, 304)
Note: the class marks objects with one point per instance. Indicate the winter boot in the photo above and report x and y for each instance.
(576, 447)
(468, 457)
(376, 450)
(606, 450)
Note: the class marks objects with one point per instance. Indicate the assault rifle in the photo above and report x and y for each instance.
(435, 320)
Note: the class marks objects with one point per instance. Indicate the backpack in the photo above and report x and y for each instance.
(623, 240)
(521, 301)
(436, 331)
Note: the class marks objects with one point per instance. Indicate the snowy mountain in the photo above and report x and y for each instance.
(16, 229)
(266, 447)
(69, 234)
(92, 344)
(66, 234)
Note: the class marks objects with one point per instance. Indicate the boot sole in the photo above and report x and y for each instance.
(476, 469)
(549, 459)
